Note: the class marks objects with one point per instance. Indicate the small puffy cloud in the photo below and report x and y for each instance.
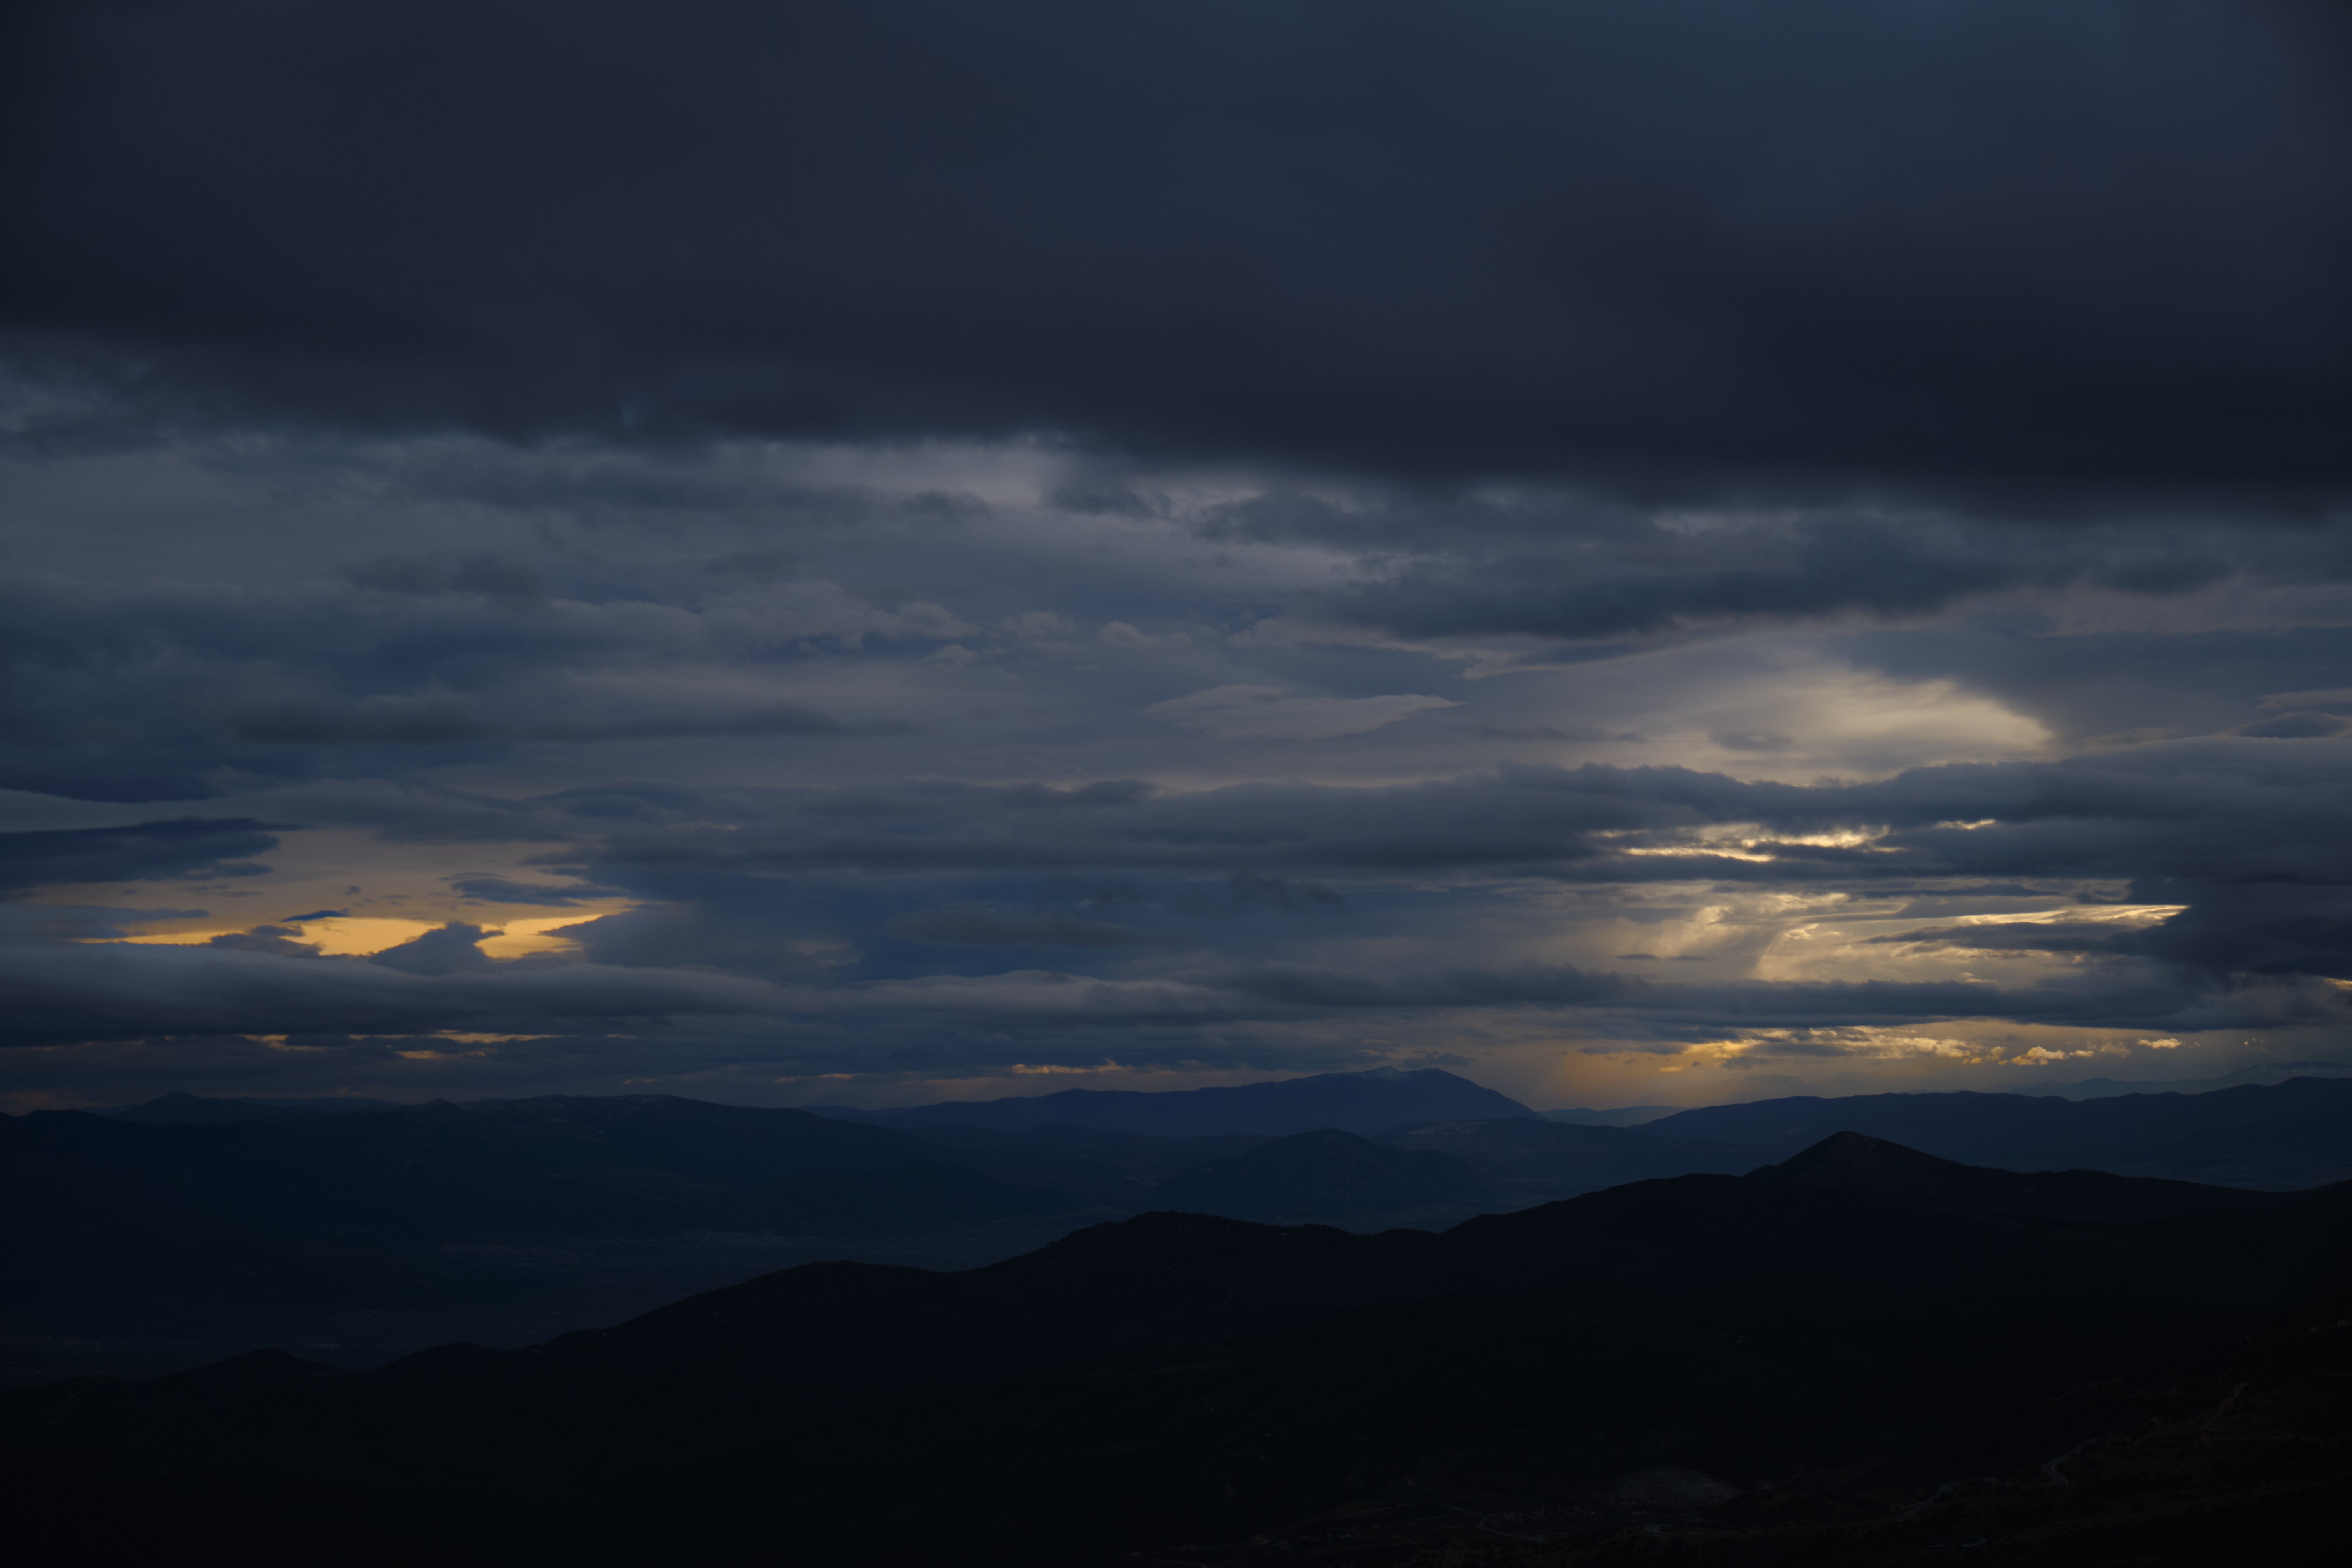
(283, 941)
(493, 889)
(453, 949)
(1269, 713)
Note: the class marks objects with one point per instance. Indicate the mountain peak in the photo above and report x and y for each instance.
(1854, 1159)
(1856, 1163)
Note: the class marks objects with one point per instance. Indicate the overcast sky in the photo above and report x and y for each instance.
(1644, 550)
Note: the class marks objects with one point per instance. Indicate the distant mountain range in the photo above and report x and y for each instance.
(1350, 1101)
(168, 1233)
(2293, 1135)
(1622, 1116)
(2261, 1073)
(1797, 1365)
(183, 1109)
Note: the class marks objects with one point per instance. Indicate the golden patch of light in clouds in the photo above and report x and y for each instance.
(361, 936)
(1803, 718)
(1968, 1042)
(1857, 945)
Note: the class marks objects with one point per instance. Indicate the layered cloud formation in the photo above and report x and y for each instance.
(1658, 550)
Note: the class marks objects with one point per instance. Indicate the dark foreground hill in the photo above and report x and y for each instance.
(1199, 1390)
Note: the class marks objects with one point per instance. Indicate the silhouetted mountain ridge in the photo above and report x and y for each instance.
(1350, 1101)
(378, 1230)
(1320, 1173)
(1184, 1378)
(1852, 1161)
(2227, 1136)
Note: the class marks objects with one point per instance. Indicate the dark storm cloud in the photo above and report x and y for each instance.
(2148, 682)
(1608, 577)
(2192, 824)
(2211, 809)
(2002, 243)
(984, 927)
(1645, 1006)
(141, 694)
(183, 849)
(506, 891)
(1587, 584)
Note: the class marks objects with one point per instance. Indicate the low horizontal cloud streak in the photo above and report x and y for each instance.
(66, 993)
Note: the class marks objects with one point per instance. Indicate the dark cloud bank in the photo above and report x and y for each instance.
(1999, 240)
(918, 543)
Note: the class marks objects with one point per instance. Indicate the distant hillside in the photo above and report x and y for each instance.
(1321, 1174)
(134, 1242)
(177, 1230)
(2260, 1074)
(149, 1240)
(2280, 1136)
(1534, 1161)
(184, 1109)
(1852, 1163)
(1350, 1101)
(1621, 1116)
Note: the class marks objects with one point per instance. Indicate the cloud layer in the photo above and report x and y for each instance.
(1650, 551)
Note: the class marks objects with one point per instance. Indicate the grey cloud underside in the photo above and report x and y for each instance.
(66, 994)
(439, 983)
(2217, 811)
(582, 633)
(135, 694)
(1670, 241)
(188, 849)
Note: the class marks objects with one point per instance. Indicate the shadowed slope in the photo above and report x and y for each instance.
(2286, 1136)
(1851, 1161)
(1182, 1378)
(1317, 1174)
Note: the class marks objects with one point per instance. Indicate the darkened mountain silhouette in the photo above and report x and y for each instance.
(573, 1165)
(1152, 1155)
(1165, 1383)
(2289, 1135)
(1534, 1161)
(183, 1109)
(2261, 1073)
(145, 1242)
(1317, 1174)
(1850, 1162)
(1351, 1102)
(1617, 1116)
(365, 1232)
(135, 1243)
